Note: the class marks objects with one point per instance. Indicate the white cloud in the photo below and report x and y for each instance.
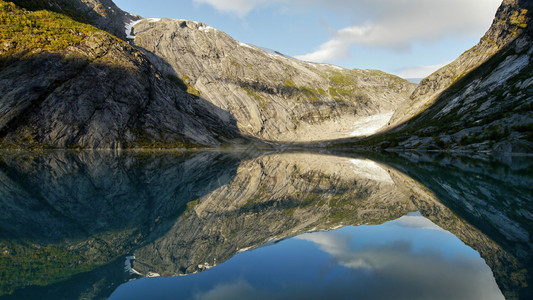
(396, 25)
(419, 71)
(381, 24)
(397, 263)
(233, 290)
(238, 7)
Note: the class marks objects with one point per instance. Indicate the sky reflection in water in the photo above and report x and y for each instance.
(408, 258)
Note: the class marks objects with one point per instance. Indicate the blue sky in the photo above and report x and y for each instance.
(410, 38)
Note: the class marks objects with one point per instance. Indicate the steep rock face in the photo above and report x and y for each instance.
(510, 21)
(488, 107)
(271, 96)
(271, 198)
(91, 90)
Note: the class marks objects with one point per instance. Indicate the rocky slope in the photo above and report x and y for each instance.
(272, 97)
(184, 84)
(510, 21)
(491, 194)
(481, 101)
(64, 84)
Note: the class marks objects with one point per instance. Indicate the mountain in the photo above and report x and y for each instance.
(179, 84)
(271, 96)
(66, 84)
(87, 75)
(482, 101)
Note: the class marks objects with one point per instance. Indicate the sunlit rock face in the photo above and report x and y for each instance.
(483, 99)
(510, 20)
(272, 96)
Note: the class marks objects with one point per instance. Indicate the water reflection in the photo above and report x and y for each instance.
(184, 213)
(366, 262)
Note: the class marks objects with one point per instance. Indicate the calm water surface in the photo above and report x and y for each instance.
(209, 225)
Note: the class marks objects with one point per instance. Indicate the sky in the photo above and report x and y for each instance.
(409, 38)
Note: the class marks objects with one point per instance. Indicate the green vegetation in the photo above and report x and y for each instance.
(252, 93)
(35, 265)
(314, 95)
(185, 84)
(175, 79)
(338, 78)
(519, 19)
(290, 83)
(190, 88)
(22, 30)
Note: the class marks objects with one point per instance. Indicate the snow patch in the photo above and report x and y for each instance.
(371, 170)
(152, 275)
(128, 27)
(152, 20)
(371, 124)
(206, 266)
(336, 67)
(336, 227)
(244, 249)
(205, 28)
(245, 45)
(416, 220)
(127, 266)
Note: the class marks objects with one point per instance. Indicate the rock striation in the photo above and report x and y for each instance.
(94, 91)
(510, 21)
(271, 96)
(483, 100)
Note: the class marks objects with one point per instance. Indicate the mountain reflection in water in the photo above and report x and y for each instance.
(78, 225)
(409, 258)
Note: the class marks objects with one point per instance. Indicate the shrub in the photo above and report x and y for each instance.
(24, 30)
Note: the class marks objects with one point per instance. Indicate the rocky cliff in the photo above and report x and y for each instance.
(510, 21)
(272, 96)
(492, 195)
(64, 84)
(68, 213)
(481, 101)
(178, 83)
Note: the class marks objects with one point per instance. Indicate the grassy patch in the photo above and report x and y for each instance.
(22, 266)
(22, 30)
(190, 88)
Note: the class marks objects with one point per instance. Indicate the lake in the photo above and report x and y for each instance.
(253, 225)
